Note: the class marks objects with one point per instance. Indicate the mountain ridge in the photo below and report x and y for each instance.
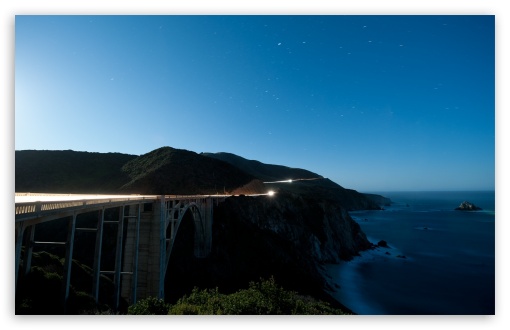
(265, 172)
(168, 170)
(301, 181)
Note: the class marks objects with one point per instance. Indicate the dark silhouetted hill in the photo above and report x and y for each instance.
(67, 171)
(175, 171)
(264, 172)
(320, 187)
(162, 171)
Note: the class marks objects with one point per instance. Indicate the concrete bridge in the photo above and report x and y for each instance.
(143, 248)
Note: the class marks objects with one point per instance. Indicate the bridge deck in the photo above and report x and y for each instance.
(49, 206)
(35, 197)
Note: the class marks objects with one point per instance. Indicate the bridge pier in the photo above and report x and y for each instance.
(29, 248)
(20, 231)
(142, 253)
(97, 255)
(157, 230)
(68, 259)
(207, 214)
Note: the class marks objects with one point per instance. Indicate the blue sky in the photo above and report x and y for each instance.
(374, 102)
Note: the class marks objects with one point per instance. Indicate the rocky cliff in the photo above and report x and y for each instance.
(286, 236)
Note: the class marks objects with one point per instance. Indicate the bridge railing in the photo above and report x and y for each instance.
(28, 209)
(25, 210)
(40, 194)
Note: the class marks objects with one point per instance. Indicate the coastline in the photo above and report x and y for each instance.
(349, 279)
(449, 261)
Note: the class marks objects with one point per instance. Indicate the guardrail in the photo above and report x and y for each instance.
(32, 207)
(39, 207)
(25, 211)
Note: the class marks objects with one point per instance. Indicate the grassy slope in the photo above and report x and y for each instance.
(67, 171)
(175, 171)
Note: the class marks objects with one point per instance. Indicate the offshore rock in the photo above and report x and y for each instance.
(467, 206)
(382, 243)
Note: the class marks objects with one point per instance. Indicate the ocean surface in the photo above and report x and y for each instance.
(438, 260)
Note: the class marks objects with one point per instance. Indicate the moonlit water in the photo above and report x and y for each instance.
(439, 261)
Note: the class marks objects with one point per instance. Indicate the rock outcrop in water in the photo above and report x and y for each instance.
(467, 206)
(382, 243)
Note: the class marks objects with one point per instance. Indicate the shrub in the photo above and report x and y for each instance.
(261, 298)
(149, 306)
(199, 302)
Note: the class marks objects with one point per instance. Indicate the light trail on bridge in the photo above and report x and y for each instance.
(49, 197)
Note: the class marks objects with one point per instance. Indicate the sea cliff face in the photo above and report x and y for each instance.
(322, 229)
(286, 236)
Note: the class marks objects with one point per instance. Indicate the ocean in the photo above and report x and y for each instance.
(438, 261)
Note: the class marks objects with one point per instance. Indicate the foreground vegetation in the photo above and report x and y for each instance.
(39, 294)
(261, 298)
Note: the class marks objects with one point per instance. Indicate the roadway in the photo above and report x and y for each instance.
(45, 197)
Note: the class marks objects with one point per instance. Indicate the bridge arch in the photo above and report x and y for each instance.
(199, 230)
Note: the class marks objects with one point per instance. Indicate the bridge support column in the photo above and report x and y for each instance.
(20, 231)
(29, 248)
(118, 257)
(208, 222)
(68, 259)
(97, 255)
(142, 255)
(162, 247)
(203, 228)
(134, 278)
(129, 286)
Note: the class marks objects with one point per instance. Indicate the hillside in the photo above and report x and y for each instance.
(264, 172)
(162, 171)
(175, 171)
(319, 187)
(67, 171)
